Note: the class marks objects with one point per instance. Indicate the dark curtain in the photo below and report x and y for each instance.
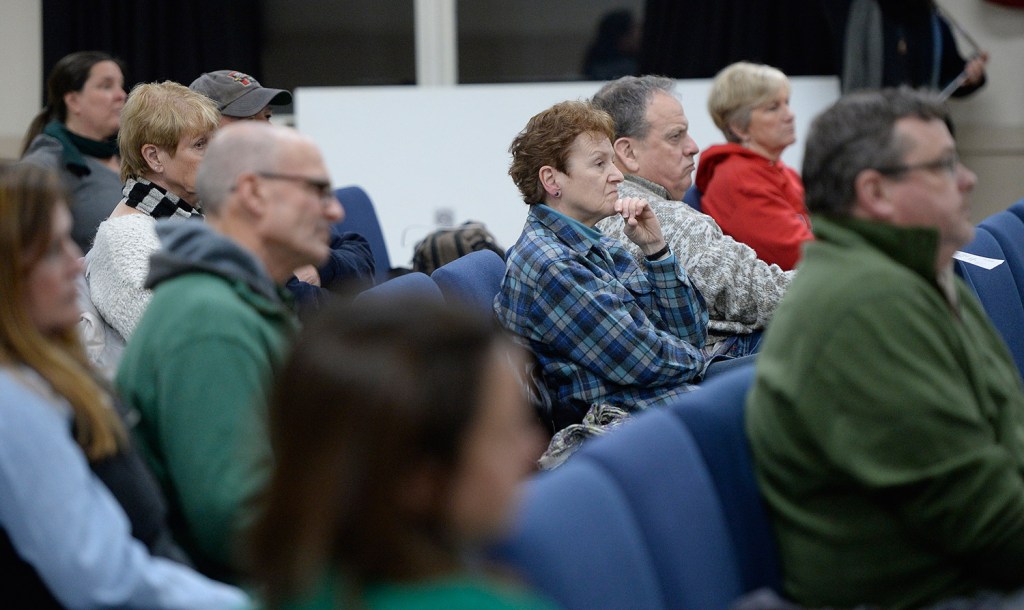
(697, 38)
(158, 39)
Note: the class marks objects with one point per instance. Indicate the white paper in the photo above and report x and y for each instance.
(978, 261)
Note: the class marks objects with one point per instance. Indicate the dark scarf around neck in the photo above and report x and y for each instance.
(151, 199)
(76, 146)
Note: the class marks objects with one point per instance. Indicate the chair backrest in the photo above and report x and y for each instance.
(1018, 209)
(360, 217)
(1008, 230)
(717, 420)
(635, 518)
(998, 292)
(410, 284)
(473, 279)
(692, 197)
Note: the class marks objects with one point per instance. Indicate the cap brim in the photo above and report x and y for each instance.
(254, 101)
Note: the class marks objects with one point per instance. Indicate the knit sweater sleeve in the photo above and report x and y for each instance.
(117, 267)
(741, 291)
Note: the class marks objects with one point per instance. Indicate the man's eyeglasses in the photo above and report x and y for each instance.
(322, 188)
(947, 163)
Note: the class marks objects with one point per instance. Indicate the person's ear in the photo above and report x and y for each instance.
(741, 134)
(151, 155)
(549, 178)
(71, 102)
(251, 193)
(420, 488)
(873, 197)
(625, 155)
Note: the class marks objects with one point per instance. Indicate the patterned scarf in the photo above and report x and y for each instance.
(147, 197)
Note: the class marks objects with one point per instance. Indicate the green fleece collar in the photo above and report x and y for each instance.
(913, 247)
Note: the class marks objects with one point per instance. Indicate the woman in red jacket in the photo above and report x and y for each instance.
(745, 186)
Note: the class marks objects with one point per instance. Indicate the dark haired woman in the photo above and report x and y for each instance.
(75, 135)
(400, 437)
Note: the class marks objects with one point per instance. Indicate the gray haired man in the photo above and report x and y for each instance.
(655, 153)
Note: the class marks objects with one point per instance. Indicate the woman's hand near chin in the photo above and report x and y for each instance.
(642, 226)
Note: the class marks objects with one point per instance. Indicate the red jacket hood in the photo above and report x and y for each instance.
(713, 156)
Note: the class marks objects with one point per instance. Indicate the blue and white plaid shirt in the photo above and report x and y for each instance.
(603, 329)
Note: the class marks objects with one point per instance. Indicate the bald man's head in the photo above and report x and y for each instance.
(246, 147)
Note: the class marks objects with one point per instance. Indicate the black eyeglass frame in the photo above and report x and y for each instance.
(948, 163)
(321, 187)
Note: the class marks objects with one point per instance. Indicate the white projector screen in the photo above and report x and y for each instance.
(425, 152)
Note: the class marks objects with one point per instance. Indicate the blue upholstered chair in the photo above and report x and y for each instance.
(410, 284)
(717, 421)
(998, 292)
(1008, 230)
(361, 218)
(649, 517)
(473, 279)
(1018, 209)
(692, 197)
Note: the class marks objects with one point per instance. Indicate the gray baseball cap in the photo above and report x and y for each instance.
(237, 94)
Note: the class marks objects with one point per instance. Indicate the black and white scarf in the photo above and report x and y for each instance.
(151, 199)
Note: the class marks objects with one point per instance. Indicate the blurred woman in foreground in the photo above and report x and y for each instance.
(401, 436)
(81, 520)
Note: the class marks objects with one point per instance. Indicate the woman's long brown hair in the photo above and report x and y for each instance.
(28, 197)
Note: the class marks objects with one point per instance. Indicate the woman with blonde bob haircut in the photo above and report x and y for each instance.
(165, 128)
(81, 520)
(755, 197)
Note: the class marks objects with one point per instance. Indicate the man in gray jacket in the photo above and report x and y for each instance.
(655, 153)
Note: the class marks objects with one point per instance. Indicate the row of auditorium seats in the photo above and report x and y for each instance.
(663, 513)
(666, 512)
(1001, 289)
(473, 279)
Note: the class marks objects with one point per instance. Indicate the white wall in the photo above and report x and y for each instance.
(990, 123)
(21, 47)
(419, 150)
(1000, 31)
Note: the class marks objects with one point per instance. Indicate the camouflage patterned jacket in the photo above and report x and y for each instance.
(741, 290)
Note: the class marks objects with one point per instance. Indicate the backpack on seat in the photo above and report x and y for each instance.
(445, 245)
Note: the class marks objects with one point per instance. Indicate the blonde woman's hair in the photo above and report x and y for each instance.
(161, 114)
(737, 90)
(28, 197)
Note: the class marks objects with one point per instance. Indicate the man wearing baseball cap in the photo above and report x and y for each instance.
(240, 96)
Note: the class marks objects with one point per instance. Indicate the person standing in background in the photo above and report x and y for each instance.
(889, 43)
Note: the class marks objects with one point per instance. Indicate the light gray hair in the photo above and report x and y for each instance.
(858, 132)
(737, 90)
(238, 148)
(627, 99)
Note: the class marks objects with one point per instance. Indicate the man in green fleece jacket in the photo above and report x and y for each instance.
(887, 417)
(200, 363)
